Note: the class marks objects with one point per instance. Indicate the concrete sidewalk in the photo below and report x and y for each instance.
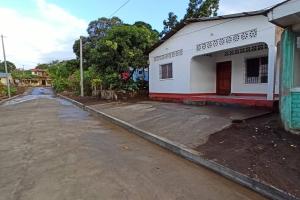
(184, 124)
(52, 150)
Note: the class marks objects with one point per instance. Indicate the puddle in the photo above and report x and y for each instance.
(64, 102)
(35, 93)
(26, 98)
(42, 91)
(68, 111)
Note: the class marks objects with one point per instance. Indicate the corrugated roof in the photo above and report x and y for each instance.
(182, 24)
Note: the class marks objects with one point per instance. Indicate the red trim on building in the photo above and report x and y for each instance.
(242, 99)
(175, 95)
(252, 95)
(249, 94)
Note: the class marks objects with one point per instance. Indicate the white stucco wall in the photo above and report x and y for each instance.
(203, 75)
(185, 80)
(180, 81)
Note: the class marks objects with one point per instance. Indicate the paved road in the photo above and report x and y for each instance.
(49, 149)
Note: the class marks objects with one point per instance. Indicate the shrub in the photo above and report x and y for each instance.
(4, 90)
(143, 85)
(60, 84)
(111, 81)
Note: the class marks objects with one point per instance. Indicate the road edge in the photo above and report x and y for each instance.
(8, 99)
(262, 188)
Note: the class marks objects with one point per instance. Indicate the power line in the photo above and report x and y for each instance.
(124, 4)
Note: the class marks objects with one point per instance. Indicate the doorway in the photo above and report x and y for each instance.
(224, 78)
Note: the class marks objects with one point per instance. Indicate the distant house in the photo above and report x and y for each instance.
(39, 77)
(287, 16)
(141, 74)
(226, 59)
(3, 79)
(39, 72)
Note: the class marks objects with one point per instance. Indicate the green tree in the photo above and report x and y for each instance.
(202, 8)
(148, 26)
(196, 9)
(112, 48)
(99, 27)
(169, 24)
(123, 47)
(91, 80)
(10, 66)
(20, 74)
(60, 73)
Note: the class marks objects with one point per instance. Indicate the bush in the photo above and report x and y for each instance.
(74, 82)
(60, 84)
(90, 79)
(129, 86)
(143, 85)
(111, 81)
(4, 90)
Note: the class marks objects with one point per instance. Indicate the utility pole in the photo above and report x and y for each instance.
(81, 70)
(6, 71)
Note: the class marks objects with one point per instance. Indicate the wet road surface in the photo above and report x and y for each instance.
(52, 150)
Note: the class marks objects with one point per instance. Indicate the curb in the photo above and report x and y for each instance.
(194, 156)
(8, 99)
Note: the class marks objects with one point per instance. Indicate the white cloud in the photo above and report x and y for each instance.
(31, 40)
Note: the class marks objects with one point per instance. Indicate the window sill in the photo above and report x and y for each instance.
(167, 79)
(256, 83)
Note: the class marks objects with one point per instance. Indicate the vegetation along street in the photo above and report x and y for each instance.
(135, 99)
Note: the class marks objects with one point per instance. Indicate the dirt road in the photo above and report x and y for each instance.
(51, 150)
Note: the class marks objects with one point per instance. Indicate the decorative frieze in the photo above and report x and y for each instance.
(247, 49)
(227, 40)
(169, 55)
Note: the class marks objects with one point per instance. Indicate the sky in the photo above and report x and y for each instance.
(40, 31)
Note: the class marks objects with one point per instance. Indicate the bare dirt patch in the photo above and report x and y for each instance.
(261, 149)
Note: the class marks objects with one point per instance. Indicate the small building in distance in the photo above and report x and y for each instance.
(39, 77)
(3, 78)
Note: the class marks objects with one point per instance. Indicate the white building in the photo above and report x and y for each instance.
(226, 59)
(3, 78)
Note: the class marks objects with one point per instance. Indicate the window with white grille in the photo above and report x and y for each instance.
(257, 70)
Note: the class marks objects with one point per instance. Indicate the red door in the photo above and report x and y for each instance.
(224, 78)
